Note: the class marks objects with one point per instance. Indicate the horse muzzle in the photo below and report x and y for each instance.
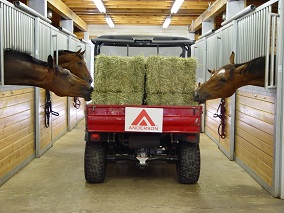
(88, 94)
(198, 98)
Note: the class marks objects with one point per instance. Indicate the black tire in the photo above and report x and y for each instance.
(95, 162)
(188, 165)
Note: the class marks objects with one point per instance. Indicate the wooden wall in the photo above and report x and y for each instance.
(212, 124)
(45, 133)
(16, 128)
(254, 129)
(81, 110)
(59, 123)
(254, 133)
(73, 113)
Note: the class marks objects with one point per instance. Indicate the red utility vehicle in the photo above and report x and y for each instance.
(122, 132)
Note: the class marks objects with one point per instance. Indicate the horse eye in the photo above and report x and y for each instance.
(80, 62)
(223, 80)
(65, 72)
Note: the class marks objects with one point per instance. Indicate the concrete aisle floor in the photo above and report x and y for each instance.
(55, 183)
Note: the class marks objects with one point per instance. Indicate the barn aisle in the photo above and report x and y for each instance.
(55, 183)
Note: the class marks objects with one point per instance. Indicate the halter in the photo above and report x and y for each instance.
(48, 108)
(222, 115)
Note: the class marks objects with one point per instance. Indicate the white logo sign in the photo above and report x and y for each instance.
(143, 119)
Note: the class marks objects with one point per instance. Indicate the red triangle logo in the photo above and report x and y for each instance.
(142, 118)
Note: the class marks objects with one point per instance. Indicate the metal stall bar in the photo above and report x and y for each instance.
(234, 44)
(56, 47)
(279, 147)
(37, 95)
(1, 46)
(278, 183)
(272, 54)
(267, 49)
(270, 50)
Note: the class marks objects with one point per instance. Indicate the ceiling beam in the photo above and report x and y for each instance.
(64, 11)
(218, 7)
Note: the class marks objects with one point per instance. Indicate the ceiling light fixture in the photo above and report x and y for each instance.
(176, 6)
(109, 21)
(167, 22)
(99, 4)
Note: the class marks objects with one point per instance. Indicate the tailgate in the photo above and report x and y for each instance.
(111, 118)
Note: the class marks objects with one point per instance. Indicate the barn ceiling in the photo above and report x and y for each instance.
(138, 12)
(141, 12)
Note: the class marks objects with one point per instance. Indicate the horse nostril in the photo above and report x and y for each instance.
(90, 81)
(196, 96)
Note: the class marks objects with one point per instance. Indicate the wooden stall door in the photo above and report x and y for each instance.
(254, 133)
(45, 132)
(16, 130)
(59, 123)
(212, 124)
(81, 110)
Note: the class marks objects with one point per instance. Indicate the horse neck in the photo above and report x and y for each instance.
(254, 72)
(25, 73)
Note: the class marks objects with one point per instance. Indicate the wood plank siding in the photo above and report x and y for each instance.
(16, 128)
(59, 123)
(81, 110)
(254, 133)
(73, 113)
(212, 124)
(45, 133)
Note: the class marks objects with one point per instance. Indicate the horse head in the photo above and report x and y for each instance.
(65, 83)
(76, 63)
(222, 83)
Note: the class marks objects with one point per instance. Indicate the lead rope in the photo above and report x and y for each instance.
(48, 108)
(76, 102)
(222, 126)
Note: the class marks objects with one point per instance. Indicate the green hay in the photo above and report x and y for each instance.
(170, 74)
(119, 74)
(170, 80)
(117, 98)
(121, 80)
(171, 99)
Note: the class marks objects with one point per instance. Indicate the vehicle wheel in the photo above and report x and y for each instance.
(188, 165)
(95, 162)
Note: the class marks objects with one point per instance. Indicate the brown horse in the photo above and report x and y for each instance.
(23, 69)
(75, 62)
(227, 79)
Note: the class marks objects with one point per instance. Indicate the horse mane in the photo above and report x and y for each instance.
(25, 56)
(254, 65)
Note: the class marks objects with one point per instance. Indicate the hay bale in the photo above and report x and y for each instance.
(117, 98)
(171, 99)
(170, 74)
(170, 80)
(119, 74)
(119, 80)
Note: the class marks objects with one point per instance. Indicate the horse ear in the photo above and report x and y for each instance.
(50, 61)
(79, 51)
(210, 71)
(82, 53)
(241, 69)
(232, 58)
